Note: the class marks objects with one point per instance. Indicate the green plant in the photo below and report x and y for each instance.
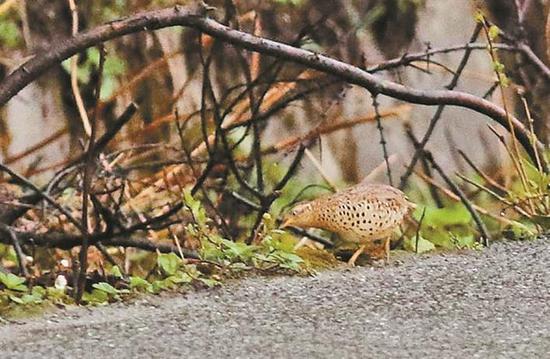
(450, 227)
(10, 36)
(13, 282)
(102, 293)
(275, 248)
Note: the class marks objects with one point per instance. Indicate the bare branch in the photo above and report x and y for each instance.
(196, 19)
(67, 241)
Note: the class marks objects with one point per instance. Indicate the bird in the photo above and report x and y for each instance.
(358, 214)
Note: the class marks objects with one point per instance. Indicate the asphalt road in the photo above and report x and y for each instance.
(490, 304)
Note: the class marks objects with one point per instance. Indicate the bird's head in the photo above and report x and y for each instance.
(302, 215)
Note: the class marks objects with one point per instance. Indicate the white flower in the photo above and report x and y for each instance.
(60, 282)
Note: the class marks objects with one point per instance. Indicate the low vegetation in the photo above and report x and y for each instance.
(194, 194)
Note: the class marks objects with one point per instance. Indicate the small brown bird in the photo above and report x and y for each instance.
(359, 214)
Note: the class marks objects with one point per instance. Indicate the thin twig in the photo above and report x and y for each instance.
(435, 119)
(30, 150)
(481, 226)
(267, 201)
(304, 233)
(21, 261)
(26, 183)
(481, 210)
(418, 229)
(531, 128)
(254, 107)
(517, 165)
(425, 165)
(494, 194)
(409, 58)
(514, 152)
(483, 175)
(89, 169)
(337, 125)
(380, 169)
(490, 90)
(225, 230)
(245, 201)
(320, 169)
(291, 169)
(74, 74)
(382, 139)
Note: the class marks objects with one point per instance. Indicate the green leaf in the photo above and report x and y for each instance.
(96, 297)
(57, 294)
(479, 16)
(423, 245)
(441, 217)
(38, 290)
(9, 33)
(178, 278)
(286, 260)
(139, 283)
(498, 67)
(195, 206)
(519, 231)
(504, 80)
(157, 286)
(210, 283)
(465, 242)
(494, 31)
(106, 287)
(239, 250)
(269, 222)
(35, 297)
(116, 272)
(169, 263)
(31, 299)
(16, 299)
(170, 282)
(210, 251)
(13, 282)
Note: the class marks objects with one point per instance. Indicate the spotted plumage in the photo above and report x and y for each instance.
(359, 214)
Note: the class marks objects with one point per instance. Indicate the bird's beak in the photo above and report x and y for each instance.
(410, 204)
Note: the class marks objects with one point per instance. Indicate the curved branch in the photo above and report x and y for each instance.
(196, 19)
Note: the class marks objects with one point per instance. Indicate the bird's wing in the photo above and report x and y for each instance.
(375, 192)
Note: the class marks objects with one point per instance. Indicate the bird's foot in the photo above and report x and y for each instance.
(387, 248)
(356, 255)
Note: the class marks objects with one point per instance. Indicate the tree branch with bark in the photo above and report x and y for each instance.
(196, 18)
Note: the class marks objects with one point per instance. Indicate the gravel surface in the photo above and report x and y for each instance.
(490, 304)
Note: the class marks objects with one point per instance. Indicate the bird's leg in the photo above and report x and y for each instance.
(387, 249)
(356, 255)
